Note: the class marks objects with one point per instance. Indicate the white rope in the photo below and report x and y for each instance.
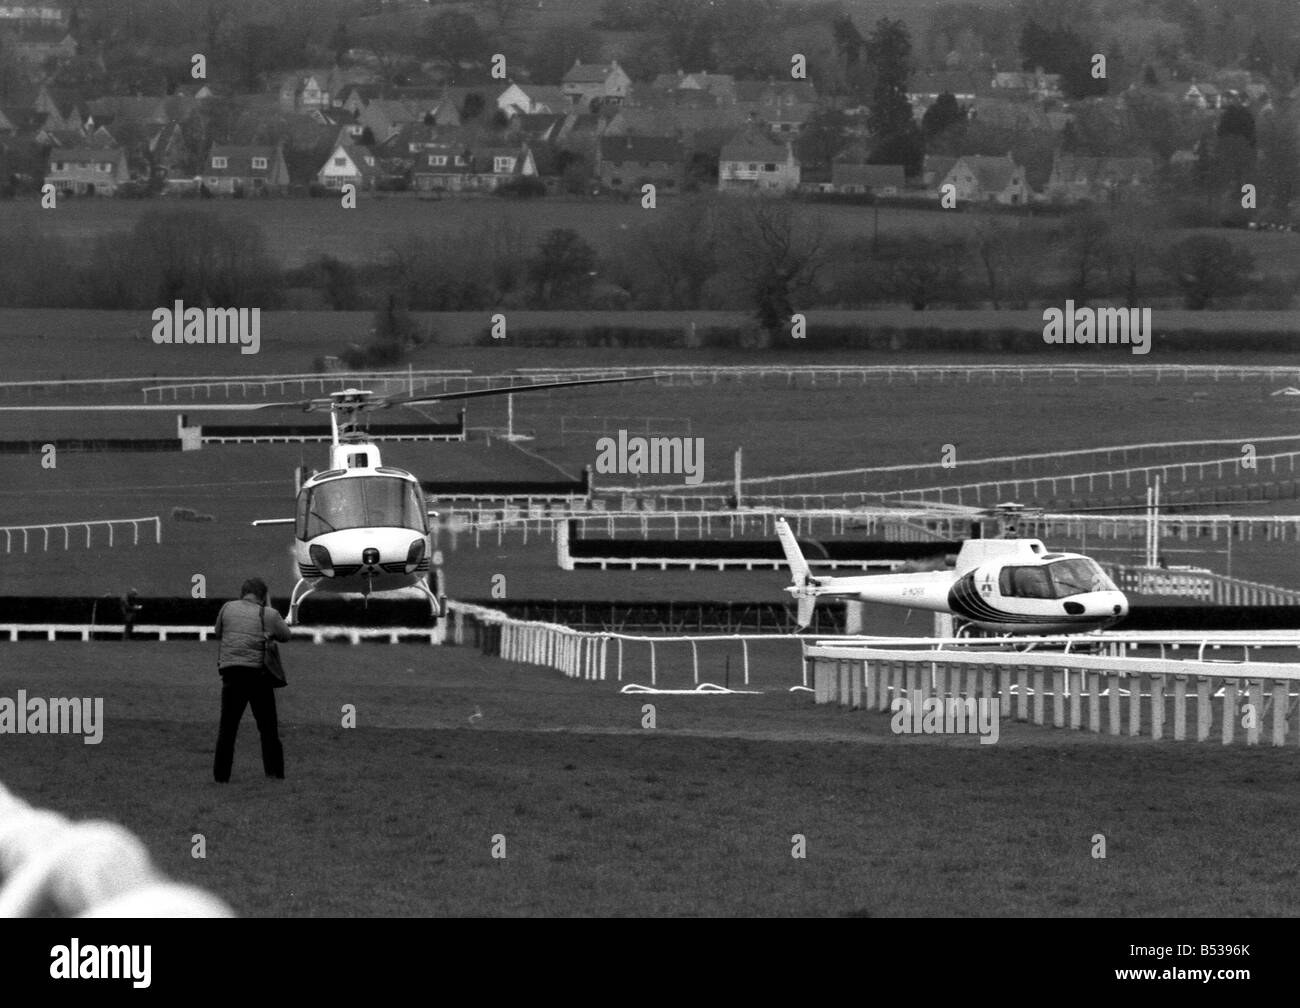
(88, 869)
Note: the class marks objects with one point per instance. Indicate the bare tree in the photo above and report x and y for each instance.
(779, 254)
(678, 253)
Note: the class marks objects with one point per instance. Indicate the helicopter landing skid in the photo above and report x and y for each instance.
(296, 597)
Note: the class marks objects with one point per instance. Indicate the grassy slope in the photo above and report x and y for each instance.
(396, 816)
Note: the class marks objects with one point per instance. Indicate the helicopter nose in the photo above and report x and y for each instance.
(370, 556)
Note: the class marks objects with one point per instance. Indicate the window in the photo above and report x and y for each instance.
(438, 160)
(769, 167)
(753, 167)
(1055, 580)
(218, 162)
(503, 165)
(360, 502)
(259, 163)
(340, 162)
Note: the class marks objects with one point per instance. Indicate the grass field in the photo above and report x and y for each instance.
(782, 429)
(299, 230)
(397, 816)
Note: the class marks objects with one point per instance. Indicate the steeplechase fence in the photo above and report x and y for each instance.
(86, 869)
(57, 532)
(598, 656)
(1111, 694)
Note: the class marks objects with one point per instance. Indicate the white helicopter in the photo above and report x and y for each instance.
(998, 586)
(360, 526)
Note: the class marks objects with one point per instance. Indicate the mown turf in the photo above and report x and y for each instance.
(397, 816)
(782, 429)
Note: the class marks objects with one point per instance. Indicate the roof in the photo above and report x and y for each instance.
(750, 145)
(762, 91)
(589, 73)
(642, 149)
(992, 174)
(95, 155)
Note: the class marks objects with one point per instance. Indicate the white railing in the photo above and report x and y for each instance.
(875, 677)
(158, 632)
(1217, 589)
(1026, 459)
(817, 375)
(85, 869)
(11, 532)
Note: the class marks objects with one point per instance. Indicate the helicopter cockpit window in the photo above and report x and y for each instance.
(1074, 577)
(1025, 582)
(1055, 580)
(363, 502)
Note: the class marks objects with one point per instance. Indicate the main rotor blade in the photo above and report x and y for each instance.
(416, 400)
(174, 408)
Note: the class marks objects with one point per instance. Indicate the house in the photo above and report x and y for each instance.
(1203, 95)
(1027, 84)
(1075, 177)
(532, 99)
(308, 89)
(304, 92)
(338, 119)
(934, 169)
(752, 161)
(629, 162)
(684, 88)
(87, 171)
(457, 166)
(349, 163)
(851, 176)
(385, 117)
(982, 179)
(354, 97)
(259, 170)
(600, 83)
(783, 105)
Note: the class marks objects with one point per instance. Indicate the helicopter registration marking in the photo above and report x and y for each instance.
(913, 592)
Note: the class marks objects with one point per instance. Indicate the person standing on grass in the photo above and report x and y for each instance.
(243, 627)
(130, 609)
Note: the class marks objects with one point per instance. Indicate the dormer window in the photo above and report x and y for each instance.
(218, 162)
(259, 163)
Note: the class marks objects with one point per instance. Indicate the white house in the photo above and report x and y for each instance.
(348, 163)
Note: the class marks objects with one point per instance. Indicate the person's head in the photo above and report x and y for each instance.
(256, 587)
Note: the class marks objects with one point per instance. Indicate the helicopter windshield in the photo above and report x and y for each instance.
(360, 502)
(1055, 580)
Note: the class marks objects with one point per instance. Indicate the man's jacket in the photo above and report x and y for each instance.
(239, 628)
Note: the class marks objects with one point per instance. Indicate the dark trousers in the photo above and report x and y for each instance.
(247, 687)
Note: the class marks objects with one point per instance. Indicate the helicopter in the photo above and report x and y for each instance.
(359, 526)
(998, 586)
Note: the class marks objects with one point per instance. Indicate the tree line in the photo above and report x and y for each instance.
(769, 257)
